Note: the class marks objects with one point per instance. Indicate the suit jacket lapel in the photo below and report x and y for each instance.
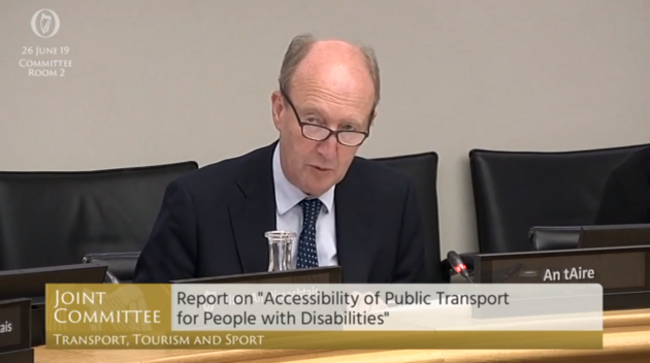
(255, 213)
(354, 211)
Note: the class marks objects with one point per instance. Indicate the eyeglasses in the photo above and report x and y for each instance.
(317, 132)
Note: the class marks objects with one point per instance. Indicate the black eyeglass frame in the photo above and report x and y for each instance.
(331, 132)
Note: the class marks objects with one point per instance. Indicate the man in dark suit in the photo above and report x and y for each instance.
(346, 210)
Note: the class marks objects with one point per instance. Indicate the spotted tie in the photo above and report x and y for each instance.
(307, 253)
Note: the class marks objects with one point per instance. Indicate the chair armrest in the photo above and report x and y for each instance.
(554, 238)
(121, 265)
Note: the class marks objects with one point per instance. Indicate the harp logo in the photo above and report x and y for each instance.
(45, 23)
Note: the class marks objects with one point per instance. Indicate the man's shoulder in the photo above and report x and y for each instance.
(377, 175)
(225, 172)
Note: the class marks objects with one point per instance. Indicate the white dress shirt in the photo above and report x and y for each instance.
(289, 215)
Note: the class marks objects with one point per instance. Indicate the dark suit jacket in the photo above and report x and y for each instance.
(212, 223)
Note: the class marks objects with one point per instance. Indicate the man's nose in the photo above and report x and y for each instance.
(328, 147)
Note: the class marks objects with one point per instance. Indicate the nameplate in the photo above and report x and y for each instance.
(622, 271)
(15, 325)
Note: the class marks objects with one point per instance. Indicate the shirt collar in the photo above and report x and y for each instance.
(287, 195)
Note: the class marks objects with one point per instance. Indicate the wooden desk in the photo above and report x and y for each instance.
(626, 339)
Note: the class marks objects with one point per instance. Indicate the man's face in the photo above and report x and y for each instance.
(321, 104)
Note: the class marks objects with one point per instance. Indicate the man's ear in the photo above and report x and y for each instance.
(277, 109)
(372, 118)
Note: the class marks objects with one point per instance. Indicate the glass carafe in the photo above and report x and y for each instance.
(280, 250)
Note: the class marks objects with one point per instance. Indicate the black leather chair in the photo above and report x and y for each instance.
(422, 168)
(515, 191)
(57, 218)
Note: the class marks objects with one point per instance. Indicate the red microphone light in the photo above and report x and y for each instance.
(458, 266)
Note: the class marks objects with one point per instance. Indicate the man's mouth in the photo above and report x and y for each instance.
(320, 169)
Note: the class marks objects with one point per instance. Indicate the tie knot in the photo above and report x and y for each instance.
(311, 208)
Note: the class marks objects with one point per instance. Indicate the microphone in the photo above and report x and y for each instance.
(457, 264)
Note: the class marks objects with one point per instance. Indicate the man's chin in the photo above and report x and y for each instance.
(317, 189)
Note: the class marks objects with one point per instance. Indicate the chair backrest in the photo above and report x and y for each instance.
(515, 191)
(422, 168)
(55, 218)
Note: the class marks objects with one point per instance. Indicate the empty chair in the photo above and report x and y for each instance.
(422, 168)
(56, 218)
(515, 191)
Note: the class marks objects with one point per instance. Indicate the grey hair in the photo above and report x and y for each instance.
(302, 44)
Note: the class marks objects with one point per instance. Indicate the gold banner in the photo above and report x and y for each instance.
(138, 316)
(331, 340)
(108, 308)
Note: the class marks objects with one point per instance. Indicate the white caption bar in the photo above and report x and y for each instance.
(387, 307)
